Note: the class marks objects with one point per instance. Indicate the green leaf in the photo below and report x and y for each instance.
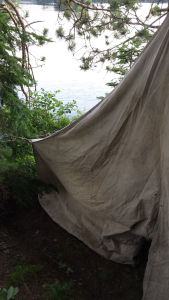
(10, 292)
(16, 290)
(3, 294)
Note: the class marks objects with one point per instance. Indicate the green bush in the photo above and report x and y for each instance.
(24, 274)
(45, 116)
(58, 291)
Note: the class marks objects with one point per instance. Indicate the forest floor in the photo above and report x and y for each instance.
(30, 237)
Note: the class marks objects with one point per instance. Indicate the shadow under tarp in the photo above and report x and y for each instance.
(111, 168)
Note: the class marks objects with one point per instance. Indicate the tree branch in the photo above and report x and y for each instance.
(33, 23)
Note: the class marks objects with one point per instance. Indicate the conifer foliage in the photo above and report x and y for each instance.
(119, 21)
(15, 70)
(34, 115)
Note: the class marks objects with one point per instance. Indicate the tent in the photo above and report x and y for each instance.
(111, 168)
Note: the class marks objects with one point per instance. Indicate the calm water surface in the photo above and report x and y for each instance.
(61, 71)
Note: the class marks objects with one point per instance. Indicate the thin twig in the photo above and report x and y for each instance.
(33, 23)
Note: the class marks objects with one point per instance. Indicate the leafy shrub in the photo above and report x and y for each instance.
(78, 114)
(17, 165)
(24, 274)
(56, 291)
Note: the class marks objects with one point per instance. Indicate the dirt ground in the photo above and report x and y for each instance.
(30, 237)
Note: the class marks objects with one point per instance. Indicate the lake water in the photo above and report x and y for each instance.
(61, 71)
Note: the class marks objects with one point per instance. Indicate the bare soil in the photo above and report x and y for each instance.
(30, 237)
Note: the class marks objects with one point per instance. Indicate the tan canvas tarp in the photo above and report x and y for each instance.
(111, 168)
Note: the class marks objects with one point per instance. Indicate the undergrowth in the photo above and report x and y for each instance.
(58, 291)
(8, 294)
(24, 274)
(18, 178)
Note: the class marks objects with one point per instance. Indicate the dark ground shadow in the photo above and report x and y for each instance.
(29, 237)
